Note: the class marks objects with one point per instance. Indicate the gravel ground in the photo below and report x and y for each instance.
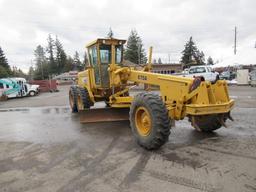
(43, 147)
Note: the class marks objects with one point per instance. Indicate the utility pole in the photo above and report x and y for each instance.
(235, 41)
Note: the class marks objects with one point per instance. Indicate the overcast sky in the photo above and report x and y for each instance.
(164, 24)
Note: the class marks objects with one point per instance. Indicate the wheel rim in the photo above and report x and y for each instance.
(32, 93)
(143, 121)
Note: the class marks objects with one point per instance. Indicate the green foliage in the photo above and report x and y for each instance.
(134, 51)
(78, 65)
(31, 73)
(61, 57)
(85, 61)
(53, 60)
(5, 69)
(159, 61)
(50, 50)
(42, 67)
(3, 72)
(210, 61)
(191, 55)
(69, 64)
(18, 72)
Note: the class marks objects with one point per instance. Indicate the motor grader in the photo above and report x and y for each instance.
(107, 79)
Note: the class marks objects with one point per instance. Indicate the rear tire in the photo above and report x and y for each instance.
(73, 99)
(207, 123)
(149, 121)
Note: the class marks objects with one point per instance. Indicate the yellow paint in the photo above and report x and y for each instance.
(175, 90)
(143, 121)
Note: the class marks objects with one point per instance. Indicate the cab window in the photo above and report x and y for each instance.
(1, 85)
(93, 55)
(94, 62)
(105, 54)
(197, 70)
(119, 50)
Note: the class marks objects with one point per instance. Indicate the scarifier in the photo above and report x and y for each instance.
(107, 79)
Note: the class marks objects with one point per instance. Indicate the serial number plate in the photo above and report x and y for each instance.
(142, 77)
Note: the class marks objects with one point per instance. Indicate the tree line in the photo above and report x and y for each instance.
(6, 70)
(191, 55)
(53, 60)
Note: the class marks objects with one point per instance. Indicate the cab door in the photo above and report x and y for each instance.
(93, 56)
(105, 60)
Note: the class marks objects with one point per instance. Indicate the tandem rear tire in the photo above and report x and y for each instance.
(207, 123)
(149, 121)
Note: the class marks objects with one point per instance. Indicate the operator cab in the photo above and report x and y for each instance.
(100, 57)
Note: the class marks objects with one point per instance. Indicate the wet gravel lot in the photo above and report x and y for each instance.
(43, 147)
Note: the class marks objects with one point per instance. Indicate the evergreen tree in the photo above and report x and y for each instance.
(69, 64)
(199, 57)
(3, 72)
(77, 63)
(61, 57)
(41, 71)
(134, 50)
(141, 52)
(191, 55)
(159, 61)
(210, 61)
(85, 61)
(50, 50)
(110, 33)
(31, 72)
(5, 69)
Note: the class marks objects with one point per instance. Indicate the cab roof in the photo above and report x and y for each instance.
(106, 41)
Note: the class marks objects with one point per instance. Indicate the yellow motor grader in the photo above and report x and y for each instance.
(107, 79)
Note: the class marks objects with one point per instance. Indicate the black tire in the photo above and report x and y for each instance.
(160, 122)
(32, 93)
(85, 97)
(73, 98)
(216, 79)
(207, 123)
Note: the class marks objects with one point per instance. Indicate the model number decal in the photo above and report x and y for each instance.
(142, 77)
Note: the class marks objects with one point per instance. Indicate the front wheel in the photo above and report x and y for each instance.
(83, 99)
(149, 121)
(73, 99)
(32, 93)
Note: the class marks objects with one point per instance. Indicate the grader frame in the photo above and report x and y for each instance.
(206, 104)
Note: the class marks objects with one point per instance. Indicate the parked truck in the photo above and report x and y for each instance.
(203, 71)
(16, 87)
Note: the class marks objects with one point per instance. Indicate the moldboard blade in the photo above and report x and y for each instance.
(95, 115)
